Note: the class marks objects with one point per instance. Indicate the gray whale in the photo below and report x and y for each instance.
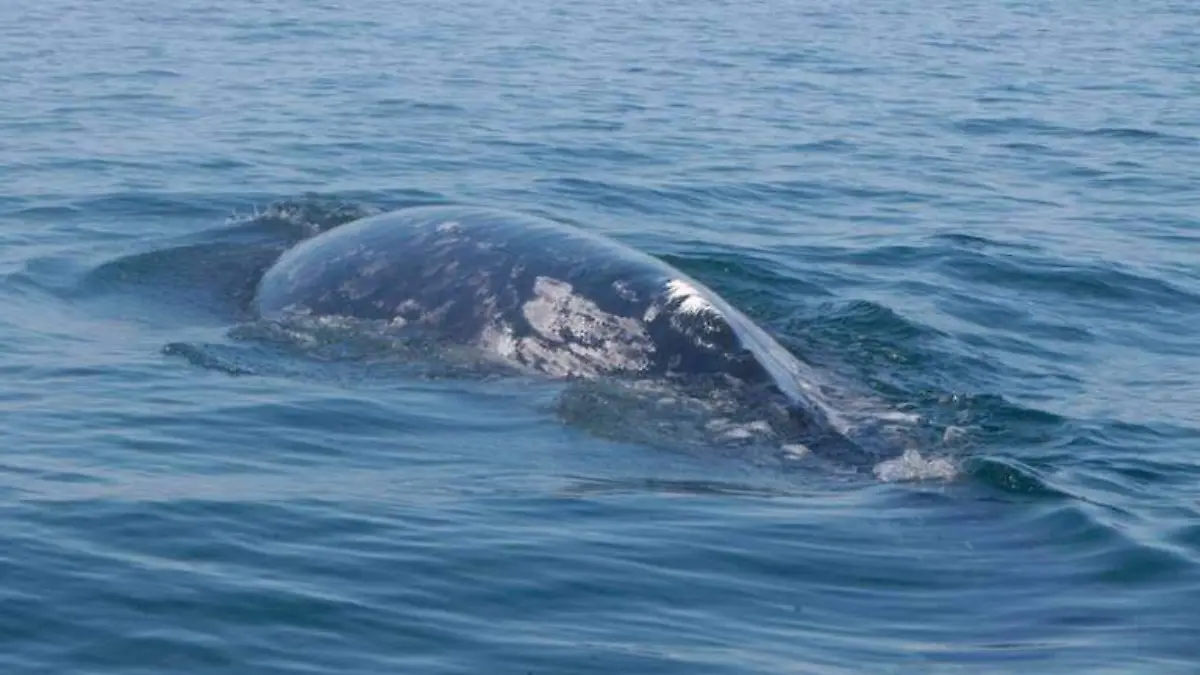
(543, 296)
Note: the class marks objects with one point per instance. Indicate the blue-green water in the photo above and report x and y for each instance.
(984, 214)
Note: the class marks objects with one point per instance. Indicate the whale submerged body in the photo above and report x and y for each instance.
(542, 296)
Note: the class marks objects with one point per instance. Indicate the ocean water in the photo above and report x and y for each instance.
(981, 216)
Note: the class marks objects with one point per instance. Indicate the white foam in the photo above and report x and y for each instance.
(953, 435)
(796, 450)
(898, 416)
(911, 466)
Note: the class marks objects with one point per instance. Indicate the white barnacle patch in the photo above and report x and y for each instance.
(498, 338)
(689, 298)
(408, 307)
(732, 431)
(623, 290)
(691, 313)
(571, 335)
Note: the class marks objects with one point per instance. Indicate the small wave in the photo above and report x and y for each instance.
(45, 212)
(211, 357)
(991, 126)
(1027, 125)
(214, 269)
(979, 242)
(218, 277)
(866, 318)
(1096, 282)
(1143, 135)
(406, 105)
(866, 341)
(310, 216)
(142, 204)
(699, 488)
(1011, 476)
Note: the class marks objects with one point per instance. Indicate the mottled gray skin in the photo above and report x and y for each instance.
(539, 294)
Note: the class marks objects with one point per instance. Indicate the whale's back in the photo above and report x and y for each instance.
(543, 295)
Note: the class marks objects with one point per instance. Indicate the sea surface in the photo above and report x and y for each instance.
(979, 217)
